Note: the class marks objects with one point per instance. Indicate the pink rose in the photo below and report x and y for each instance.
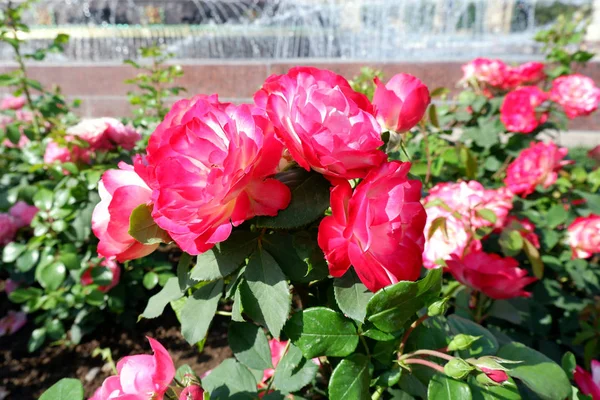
(528, 73)
(192, 393)
(497, 375)
(121, 191)
(10, 286)
(56, 153)
(277, 352)
(371, 226)
(519, 111)
(23, 213)
(105, 133)
(325, 124)
(594, 154)
(589, 384)
(8, 228)
(536, 165)
(492, 72)
(12, 322)
(210, 167)
(583, 235)
(139, 377)
(401, 103)
(12, 103)
(87, 279)
(496, 277)
(577, 94)
(525, 227)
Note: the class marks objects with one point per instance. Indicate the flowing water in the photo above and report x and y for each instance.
(105, 30)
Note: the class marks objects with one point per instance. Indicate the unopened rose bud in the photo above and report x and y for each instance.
(438, 308)
(496, 375)
(457, 368)
(462, 342)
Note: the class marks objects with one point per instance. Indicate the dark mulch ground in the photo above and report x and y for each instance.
(25, 376)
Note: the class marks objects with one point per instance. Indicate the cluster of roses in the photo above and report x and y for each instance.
(99, 135)
(526, 106)
(210, 166)
(14, 104)
(455, 211)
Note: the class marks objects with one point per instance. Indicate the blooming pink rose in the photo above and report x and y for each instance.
(369, 228)
(497, 375)
(536, 165)
(56, 153)
(325, 124)
(192, 393)
(525, 227)
(528, 73)
(12, 322)
(496, 277)
(105, 133)
(589, 384)
(139, 377)
(121, 191)
(491, 72)
(12, 103)
(519, 111)
(401, 103)
(8, 228)
(577, 94)
(210, 166)
(23, 141)
(87, 279)
(583, 235)
(23, 213)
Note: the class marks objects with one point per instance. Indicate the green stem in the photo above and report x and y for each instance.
(426, 363)
(409, 331)
(378, 392)
(364, 342)
(287, 347)
(425, 352)
(224, 313)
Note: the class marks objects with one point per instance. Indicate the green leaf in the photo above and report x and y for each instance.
(486, 345)
(442, 387)
(102, 276)
(438, 223)
(539, 373)
(320, 331)
(183, 271)
(350, 379)
(250, 346)
(556, 216)
(65, 389)
(511, 242)
(143, 228)
(534, 258)
(21, 295)
(487, 215)
(294, 371)
(225, 257)
(150, 280)
(27, 260)
(42, 199)
(13, 133)
(265, 293)
(12, 251)
(351, 295)
(230, 380)
(569, 363)
(51, 276)
(157, 303)
(54, 329)
(391, 307)
(507, 391)
(310, 199)
(199, 311)
(37, 339)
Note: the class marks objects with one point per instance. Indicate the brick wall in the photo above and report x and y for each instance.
(102, 91)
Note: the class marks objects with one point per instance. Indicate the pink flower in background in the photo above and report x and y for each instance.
(528, 73)
(10, 286)
(277, 352)
(139, 377)
(192, 393)
(536, 165)
(589, 384)
(325, 124)
(577, 94)
(519, 111)
(583, 235)
(211, 170)
(525, 227)
(370, 227)
(87, 279)
(105, 133)
(492, 72)
(23, 141)
(496, 277)
(8, 228)
(23, 213)
(57, 153)
(12, 322)
(401, 103)
(594, 154)
(121, 191)
(12, 103)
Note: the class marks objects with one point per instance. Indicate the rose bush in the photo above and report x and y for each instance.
(305, 219)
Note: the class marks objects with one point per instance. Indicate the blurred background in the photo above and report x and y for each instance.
(231, 46)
